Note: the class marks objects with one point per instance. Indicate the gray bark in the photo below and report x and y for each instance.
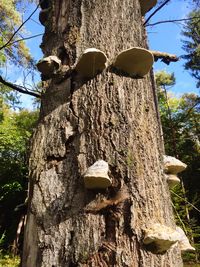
(110, 117)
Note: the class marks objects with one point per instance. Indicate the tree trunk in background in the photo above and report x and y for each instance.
(111, 118)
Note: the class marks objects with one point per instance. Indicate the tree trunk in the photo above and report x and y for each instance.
(110, 117)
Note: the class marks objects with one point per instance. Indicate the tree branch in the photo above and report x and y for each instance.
(25, 38)
(19, 88)
(171, 21)
(165, 57)
(188, 111)
(7, 43)
(157, 9)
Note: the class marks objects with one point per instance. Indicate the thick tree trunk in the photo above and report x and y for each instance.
(109, 117)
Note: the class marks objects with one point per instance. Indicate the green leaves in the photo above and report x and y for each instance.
(10, 20)
(164, 78)
(16, 128)
(180, 122)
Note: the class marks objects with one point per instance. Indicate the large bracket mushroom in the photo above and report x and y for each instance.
(91, 62)
(134, 62)
(159, 238)
(173, 165)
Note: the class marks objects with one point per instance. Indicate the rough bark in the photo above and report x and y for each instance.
(110, 117)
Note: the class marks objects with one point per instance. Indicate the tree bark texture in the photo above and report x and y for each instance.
(110, 117)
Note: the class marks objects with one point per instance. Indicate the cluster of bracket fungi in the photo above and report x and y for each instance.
(158, 237)
(172, 167)
(134, 62)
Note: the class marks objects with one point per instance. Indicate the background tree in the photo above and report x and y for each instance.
(10, 20)
(191, 45)
(15, 130)
(13, 49)
(180, 116)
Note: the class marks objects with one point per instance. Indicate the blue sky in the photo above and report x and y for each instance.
(167, 38)
(164, 37)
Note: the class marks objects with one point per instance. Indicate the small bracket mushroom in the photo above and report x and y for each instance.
(43, 16)
(96, 175)
(91, 62)
(134, 62)
(172, 180)
(48, 65)
(44, 4)
(146, 5)
(183, 242)
(159, 238)
(173, 165)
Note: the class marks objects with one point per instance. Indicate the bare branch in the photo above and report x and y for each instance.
(19, 88)
(7, 43)
(157, 9)
(25, 38)
(170, 21)
(165, 57)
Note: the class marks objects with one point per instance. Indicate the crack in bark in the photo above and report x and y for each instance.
(104, 204)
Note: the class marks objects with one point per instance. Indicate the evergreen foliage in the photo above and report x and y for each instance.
(192, 45)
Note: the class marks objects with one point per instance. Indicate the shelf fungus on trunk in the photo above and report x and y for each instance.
(146, 5)
(96, 175)
(49, 65)
(183, 242)
(43, 16)
(173, 165)
(172, 180)
(44, 4)
(134, 62)
(159, 238)
(91, 62)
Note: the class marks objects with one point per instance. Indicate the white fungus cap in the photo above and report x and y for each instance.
(48, 65)
(172, 180)
(134, 62)
(173, 165)
(161, 237)
(183, 242)
(91, 62)
(96, 175)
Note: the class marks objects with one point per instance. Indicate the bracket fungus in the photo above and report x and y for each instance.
(48, 65)
(43, 16)
(183, 242)
(91, 62)
(172, 180)
(173, 165)
(96, 175)
(159, 238)
(134, 62)
(44, 4)
(146, 5)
